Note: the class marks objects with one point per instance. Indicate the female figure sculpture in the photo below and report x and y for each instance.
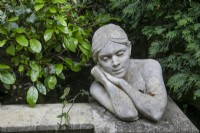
(126, 87)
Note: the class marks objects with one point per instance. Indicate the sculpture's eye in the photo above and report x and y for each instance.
(120, 53)
(105, 58)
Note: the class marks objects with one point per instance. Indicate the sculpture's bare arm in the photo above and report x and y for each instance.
(122, 105)
(151, 104)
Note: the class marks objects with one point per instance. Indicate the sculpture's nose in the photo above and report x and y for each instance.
(115, 61)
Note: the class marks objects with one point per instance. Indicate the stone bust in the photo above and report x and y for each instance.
(128, 88)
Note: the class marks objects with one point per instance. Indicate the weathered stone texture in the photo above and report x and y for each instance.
(88, 117)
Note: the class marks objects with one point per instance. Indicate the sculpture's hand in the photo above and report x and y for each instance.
(116, 81)
(98, 74)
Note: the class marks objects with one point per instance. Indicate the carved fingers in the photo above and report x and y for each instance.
(112, 79)
(98, 74)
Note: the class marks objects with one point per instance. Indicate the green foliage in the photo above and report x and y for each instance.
(171, 33)
(41, 40)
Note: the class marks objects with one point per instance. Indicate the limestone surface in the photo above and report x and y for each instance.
(87, 118)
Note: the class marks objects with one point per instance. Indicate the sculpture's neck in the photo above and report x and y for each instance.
(130, 71)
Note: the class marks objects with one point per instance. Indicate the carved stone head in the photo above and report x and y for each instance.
(111, 49)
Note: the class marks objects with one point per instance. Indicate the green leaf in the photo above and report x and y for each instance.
(34, 75)
(21, 40)
(85, 51)
(13, 19)
(62, 21)
(171, 34)
(32, 96)
(35, 45)
(197, 26)
(154, 49)
(177, 81)
(61, 76)
(21, 68)
(59, 1)
(63, 29)
(52, 9)
(38, 6)
(3, 31)
(159, 30)
(75, 67)
(11, 50)
(3, 42)
(182, 22)
(3, 66)
(7, 86)
(19, 30)
(6, 77)
(35, 71)
(86, 45)
(59, 68)
(48, 34)
(68, 61)
(39, 1)
(41, 88)
(34, 65)
(52, 81)
(65, 93)
(70, 43)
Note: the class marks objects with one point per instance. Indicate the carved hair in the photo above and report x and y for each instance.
(106, 33)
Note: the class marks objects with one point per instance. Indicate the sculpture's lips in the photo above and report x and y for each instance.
(118, 71)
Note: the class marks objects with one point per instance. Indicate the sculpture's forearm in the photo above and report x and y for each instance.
(122, 104)
(150, 105)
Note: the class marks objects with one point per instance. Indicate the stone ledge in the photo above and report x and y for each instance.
(87, 117)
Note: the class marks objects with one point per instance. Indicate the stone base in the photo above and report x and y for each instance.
(87, 117)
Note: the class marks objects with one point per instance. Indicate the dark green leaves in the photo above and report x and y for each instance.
(3, 42)
(11, 50)
(38, 6)
(63, 29)
(51, 82)
(41, 88)
(3, 66)
(48, 34)
(13, 19)
(6, 77)
(35, 45)
(62, 21)
(35, 71)
(32, 96)
(59, 68)
(70, 43)
(21, 39)
(37, 38)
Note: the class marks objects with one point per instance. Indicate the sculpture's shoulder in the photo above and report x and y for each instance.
(145, 64)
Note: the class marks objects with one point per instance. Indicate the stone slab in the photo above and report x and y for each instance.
(87, 117)
(18, 118)
(173, 120)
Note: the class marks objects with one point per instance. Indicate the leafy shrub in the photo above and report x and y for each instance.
(41, 39)
(171, 33)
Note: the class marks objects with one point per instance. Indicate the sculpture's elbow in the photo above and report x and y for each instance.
(156, 115)
(128, 116)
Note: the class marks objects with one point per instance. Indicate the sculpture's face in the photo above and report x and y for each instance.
(114, 58)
